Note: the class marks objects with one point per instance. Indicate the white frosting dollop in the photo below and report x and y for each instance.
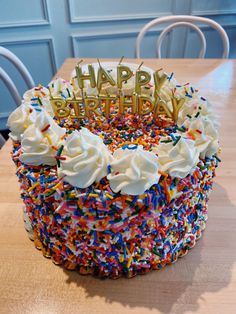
(194, 107)
(20, 119)
(194, 104)
(205, 135)
(133, 170)
(39, 96)
(36, 92)
(87, 159)
(36, 145)
(60, 87)
(177, 160)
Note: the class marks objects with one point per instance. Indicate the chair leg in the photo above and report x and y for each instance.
(2, 141)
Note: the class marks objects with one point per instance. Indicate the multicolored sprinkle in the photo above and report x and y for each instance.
(96, 231)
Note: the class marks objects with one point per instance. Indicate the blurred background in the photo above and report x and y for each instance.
(42, 33)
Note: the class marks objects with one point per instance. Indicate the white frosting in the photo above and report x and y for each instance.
(205, 135)
(40, 91)
(31, 96)
(178, 160)
(36, 146)
(133, 171)
(192, 107)
(87, 158)
(60, 87)
(20, 119)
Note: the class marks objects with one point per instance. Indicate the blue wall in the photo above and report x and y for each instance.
(45, 32)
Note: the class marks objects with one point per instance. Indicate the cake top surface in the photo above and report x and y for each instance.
(125, 122)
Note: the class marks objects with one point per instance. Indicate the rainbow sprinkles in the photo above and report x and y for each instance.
(115, 168)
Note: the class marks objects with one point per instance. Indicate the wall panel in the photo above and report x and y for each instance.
(213, 7)
(16, 13)
(115, 44)
(118, 10)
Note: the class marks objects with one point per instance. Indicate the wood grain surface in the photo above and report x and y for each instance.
(204, 281)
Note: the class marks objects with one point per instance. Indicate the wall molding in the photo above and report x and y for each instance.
(212, 12)
(4, 115)
(29, 23)
(48, 40)
(117, 18)
(224, 25)
(110, 34)
(111, 17)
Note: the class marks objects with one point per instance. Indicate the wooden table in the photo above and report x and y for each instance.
(204, 281)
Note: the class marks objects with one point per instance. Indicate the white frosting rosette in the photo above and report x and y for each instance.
(20, 119)
(133, 170)
(171, 87)
(36, 92)
(205, 135)
(36, 145)
(60, 87)
(87, 159)
(40, 95)
(177, 158)
(196, 107)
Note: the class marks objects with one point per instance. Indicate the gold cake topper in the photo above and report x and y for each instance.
(141, 104)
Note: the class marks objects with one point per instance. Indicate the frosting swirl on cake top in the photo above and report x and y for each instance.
(86, 159)
(177, 157)
(20, 120)
(204, 134)
(38, 141)
(133, 170)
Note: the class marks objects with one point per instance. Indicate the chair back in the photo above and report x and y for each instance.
(21, 68)
(183, 20)
(2, 141)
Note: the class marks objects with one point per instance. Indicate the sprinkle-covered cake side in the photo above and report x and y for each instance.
(97, 231)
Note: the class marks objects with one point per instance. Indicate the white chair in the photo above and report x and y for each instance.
(21, 68)
(2, 141)
(8, 81)
(183, 20)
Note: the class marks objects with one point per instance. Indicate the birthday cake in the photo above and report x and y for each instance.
(115, 168)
